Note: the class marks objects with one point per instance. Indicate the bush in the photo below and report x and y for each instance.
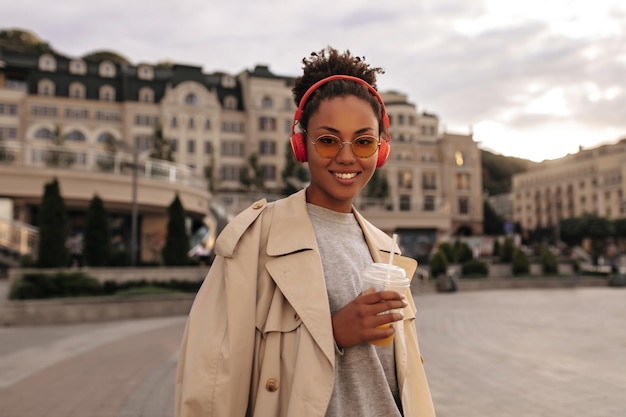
(475, 267)
(438, 264)
(448, 251)
(507, 250)
(549, 263)
(61, 284)
(42, 286)
(521, 264)
(496, 249)
(463, 252)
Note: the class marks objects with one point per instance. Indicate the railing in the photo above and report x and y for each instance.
(18, 238)
(120, 163)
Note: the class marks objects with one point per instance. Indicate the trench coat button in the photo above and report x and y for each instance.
(272, 384)
(296, 317)
(257, 205)
(422, 358)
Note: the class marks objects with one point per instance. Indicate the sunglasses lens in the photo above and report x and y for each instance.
(329, 146)
(364, 146)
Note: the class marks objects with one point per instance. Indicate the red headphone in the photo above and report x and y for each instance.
(298, 146)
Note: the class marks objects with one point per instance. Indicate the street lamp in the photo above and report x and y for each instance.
(134, 209)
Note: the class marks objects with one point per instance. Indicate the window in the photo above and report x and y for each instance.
(268, 172)
(405, 203)
(207, 124)
(106, 138)
(267, 147)
(208, 148)
(405, 179)
(462, 181)
(78, 66)
(229, 173)
(107, 93)
(77, 90)
(174, 145)
(45, 88)
(267, 103)
(230, 103)
(47, 63)
(400, 119)
(76, 113)
(192, 124)
(44, 133)
(459, 160)
(192, 99)
(463, 205)
(429, 181)
(145, 72)
(228, 81)
(46, 111)
(7, 133)
(191, 146)
(174, 122)
(267, 124)
(106, 69)
(10, 109)
(146, 95)
(232, 148)
(429, 203)
(76, 136)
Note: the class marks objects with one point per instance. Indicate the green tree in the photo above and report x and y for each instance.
(507, 250)
(162, 146)
(549, 263)
(97, 234)
(493, 223)
(520, 262)
(378, 186)
(251, 176)
(175, 251)
(438, 263)
(53, 230)
(294, 175)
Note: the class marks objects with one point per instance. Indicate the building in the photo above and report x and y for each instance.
(84, 119)
(591, 181)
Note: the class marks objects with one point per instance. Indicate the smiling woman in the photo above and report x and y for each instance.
(291, 330)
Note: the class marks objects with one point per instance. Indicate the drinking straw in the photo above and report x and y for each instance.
(394, 239)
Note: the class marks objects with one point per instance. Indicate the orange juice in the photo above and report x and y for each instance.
(384, 341)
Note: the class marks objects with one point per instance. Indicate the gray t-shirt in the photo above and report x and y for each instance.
(365, 383)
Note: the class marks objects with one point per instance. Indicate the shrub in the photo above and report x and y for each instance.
(475, 267)
(61, 284)
(463, 252)
(448, 251)
(507, 250)
(521, 264)
(438, 264)
(496, 249)
(548, 261)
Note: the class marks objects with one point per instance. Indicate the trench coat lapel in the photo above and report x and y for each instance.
(300, 276)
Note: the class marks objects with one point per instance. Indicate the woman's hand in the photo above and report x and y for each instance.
(358, 320)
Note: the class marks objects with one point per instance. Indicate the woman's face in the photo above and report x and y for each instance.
(336, 181)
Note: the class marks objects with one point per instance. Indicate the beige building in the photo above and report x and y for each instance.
(590, 181)
(81, 120)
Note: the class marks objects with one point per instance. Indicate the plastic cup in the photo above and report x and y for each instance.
(385, 277)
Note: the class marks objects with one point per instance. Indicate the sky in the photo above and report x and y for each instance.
(535, 79)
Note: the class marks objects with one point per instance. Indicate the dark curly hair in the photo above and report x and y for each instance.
(325, 63)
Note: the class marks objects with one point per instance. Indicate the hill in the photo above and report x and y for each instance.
(499, 169)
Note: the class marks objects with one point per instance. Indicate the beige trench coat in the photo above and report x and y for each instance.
(259, 339)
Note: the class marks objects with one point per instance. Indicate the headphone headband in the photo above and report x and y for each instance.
(311, 90)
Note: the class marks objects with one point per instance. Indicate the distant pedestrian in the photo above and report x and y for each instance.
(76, 250)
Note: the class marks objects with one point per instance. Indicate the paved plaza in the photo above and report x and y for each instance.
(499, 353)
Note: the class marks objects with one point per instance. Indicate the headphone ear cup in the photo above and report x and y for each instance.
(298, 147)
(383, 153)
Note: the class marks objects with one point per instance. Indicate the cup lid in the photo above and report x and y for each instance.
(383, 273)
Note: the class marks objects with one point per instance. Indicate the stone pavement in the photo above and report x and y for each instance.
(518, 353)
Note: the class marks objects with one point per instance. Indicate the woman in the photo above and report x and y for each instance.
(280, 326)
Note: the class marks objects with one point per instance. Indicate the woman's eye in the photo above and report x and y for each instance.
(327, 140)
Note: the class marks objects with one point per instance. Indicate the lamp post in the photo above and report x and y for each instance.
(134, 206)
